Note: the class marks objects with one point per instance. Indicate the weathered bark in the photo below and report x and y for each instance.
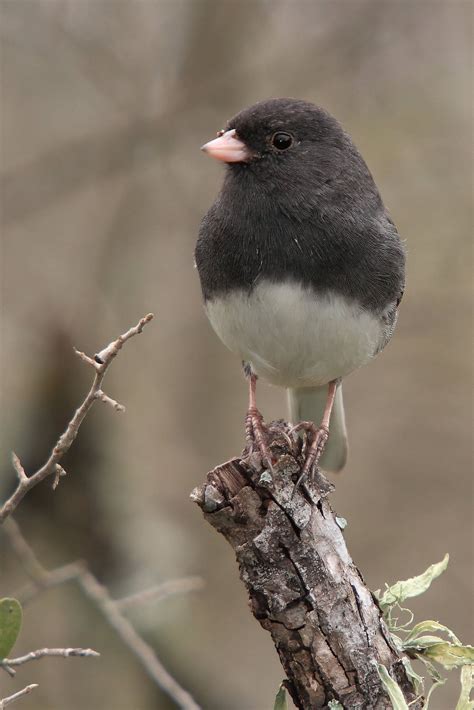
(303, 586)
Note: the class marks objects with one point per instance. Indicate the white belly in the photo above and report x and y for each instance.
(293, 337)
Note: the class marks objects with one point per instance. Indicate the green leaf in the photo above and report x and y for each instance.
(398, 592)
(450, 655)
(416, 679)
(280, 700)
(10, 625)
(424, 626)
(467, 678)
(422, 642)
(435, 677)
(397, 641)
(335, 705)
(392, 688)
(436, 684)
(431, 668)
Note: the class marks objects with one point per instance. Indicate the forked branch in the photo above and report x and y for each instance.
(100, 363)
(113, 611)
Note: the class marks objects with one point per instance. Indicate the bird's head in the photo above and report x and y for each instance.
(284, 139)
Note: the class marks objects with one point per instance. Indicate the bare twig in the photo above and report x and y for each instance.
(85, 358)
(43, 652)
(41, 578)
(30, 563)
(100, 363)
(110, 609)
(20, 471)
(155, 669)
(108, 400)
(59, 473)
(11, 671)
(106, 355)
(161, 591)
(11, 698)
(60, 575)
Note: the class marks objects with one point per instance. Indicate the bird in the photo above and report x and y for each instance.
(301, 267)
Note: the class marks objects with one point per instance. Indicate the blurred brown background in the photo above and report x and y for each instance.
(104, 107)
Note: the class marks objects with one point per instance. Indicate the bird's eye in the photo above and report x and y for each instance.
(282, 141)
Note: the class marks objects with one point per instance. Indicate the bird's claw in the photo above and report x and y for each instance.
(279, 431)
(256, 433)
(320, 436)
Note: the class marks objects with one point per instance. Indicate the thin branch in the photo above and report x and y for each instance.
(155, 669)
(11, 698)
(106, 355)
(85, 358)
(110, 609)
(161, 591)
(60, 575)
(30, 563)
(43, 652)
(100, 363)
(20, 471)
(11, 671)
(41, 577)
(108, 400)
(59, 473)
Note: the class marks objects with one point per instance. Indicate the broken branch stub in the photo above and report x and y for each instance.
(303, 586)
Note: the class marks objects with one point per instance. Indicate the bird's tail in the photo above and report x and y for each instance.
(307, 404)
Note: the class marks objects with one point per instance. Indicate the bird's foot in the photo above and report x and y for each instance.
(256, 434)
(317, 437)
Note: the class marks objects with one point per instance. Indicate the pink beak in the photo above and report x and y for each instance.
(227, 148)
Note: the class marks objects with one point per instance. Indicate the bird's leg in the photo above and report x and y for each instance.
(320, 434)
(255, 427)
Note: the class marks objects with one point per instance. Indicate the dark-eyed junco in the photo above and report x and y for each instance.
(301, 267)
